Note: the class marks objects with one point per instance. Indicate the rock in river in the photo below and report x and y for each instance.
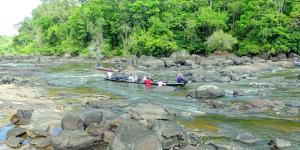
(150, 111)
(247, 137)
(208, 91)
(22, 117)
(279, 143)
(134, 136)
(75, 140)
(92, 117)
(71, 122)
(169, 133)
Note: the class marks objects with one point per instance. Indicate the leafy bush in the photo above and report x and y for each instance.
(220, 41)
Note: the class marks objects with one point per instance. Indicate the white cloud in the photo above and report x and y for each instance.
(14, 11)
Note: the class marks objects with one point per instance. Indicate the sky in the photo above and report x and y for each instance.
(14, 11)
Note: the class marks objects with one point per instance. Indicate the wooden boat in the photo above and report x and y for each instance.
(297, 63)
(153, 83)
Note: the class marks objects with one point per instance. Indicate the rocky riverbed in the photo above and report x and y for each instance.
(232, 103)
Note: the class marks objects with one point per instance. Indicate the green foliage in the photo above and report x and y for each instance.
(159, 28)
(220, 41)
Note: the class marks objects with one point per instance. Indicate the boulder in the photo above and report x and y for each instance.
(238, 92)
(265, 104)
(41, 142)
(214, 103)
(169, 133)
(14, 137)
(134, 136)
(71, 122)
(97, 129)
(36, 133)
(16, 132)
(208, 91)
(74, 140)
(247, 138)
(180, 57)
(281, 56)
(149, 111)
(92, 117)
(108, 136)
(279, 143)
(293, 56)
(6, 79)
(22, 117)
(14, 142)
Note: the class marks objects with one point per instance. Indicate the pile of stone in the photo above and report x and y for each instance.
(145, 126)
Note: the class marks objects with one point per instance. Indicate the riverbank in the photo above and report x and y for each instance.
(265, 103)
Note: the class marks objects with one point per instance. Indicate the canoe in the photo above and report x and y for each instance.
(154, 83)
(107, 69)
(297, 64)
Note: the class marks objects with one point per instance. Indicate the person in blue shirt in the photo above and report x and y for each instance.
(180, 79)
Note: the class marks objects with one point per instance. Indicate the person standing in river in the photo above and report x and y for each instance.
(148, 83)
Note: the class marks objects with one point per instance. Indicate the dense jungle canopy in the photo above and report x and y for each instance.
(160, 27)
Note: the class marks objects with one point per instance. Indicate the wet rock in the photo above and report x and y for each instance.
(180, 57)
(264, 56)
(281, 56)
(237, 60)
(293, 111)
(149, 111)
(214, 103)
(279, 143)
(6, 79)
(16, 132)
(74, 140)
(169, 133)
(189, 147)
(293, 56)
(104, 103)
(36, 133)
(260, 103)
(97, 129)
(108, 136)
(208, 91)
(92, 117)
(247, 137)
(41, 142)
(115, 123)
(14, 142)
(169, 63)
(238, 92)
(71, 122)
(134, 136)
(22, 117)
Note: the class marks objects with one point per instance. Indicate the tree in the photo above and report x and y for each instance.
(220, 41)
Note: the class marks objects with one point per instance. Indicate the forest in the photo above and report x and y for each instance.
(160, 27)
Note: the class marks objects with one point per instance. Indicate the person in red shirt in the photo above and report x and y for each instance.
(148, 83)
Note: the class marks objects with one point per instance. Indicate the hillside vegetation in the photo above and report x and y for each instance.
(160, 27)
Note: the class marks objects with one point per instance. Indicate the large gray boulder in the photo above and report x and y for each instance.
(247, 137)
(71, 122)
(181, 57)
(208, 91)
(75, 140)
(91, 117)
(22, 117)
(6, 79)
(279, 143)
(149, 111)
(169, 133)
(134, 136)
